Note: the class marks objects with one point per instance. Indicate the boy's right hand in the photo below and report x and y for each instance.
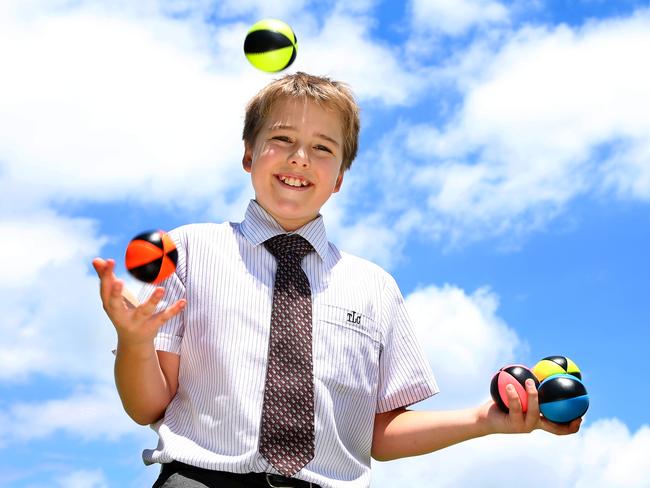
(135, 325)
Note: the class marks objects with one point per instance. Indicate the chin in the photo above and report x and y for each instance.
(291, 220)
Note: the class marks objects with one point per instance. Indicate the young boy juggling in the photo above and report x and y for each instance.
(271, 358)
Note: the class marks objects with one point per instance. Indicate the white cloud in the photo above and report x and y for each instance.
(627, 172)
(88, 414)
(35, 242)
(53, 321)
(140, 109)
(465, 341)
(553, 114)
(612, 456)
(455, 17)
(366, 236)
(603, 455)
(142, 9)
(344, 49)
(112, 101)
(84, 479)
(109, 104)
(279, 9)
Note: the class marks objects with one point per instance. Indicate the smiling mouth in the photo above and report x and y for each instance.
(293, 182)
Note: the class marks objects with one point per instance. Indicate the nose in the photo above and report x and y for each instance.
(300, 157)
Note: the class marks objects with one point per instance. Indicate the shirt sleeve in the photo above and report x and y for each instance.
(170, 335)
(405, 376)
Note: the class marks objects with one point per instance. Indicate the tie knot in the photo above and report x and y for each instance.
(288, 246)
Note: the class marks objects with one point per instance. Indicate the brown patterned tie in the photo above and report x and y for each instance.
(287, 430)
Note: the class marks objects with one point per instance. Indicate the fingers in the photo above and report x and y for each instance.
(518, 421)
(532, 415)
(514, 403)
(561, 429)
(147, 308)
(170, 312)
(110, 287)
(104, 270)
(534, 419)
(114, 301)
(134, 322)
(574, 425)
(515, 410)
(99, 264)
(521, 421)
(103, 267)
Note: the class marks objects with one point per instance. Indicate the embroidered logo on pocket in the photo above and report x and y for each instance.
(353, 318)
(344, 315)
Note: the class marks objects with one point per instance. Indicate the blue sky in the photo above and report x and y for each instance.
(503, 179)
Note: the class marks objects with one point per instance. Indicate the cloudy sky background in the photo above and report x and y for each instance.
(503, 178)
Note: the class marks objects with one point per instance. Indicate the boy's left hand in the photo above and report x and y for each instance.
(516, 421)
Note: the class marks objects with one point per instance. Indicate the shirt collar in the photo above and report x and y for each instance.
(259, 226)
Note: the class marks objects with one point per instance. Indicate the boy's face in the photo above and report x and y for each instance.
(295, 162)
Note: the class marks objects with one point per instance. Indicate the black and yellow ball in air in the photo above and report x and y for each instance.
(151, 256)
(556, 365)
(270, 45)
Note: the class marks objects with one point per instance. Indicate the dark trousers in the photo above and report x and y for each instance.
(180, 475)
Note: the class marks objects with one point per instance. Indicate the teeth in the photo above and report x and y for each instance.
(293, 181)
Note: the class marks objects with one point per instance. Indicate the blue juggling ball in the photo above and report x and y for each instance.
(563, 398)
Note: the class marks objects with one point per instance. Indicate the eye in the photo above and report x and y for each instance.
(281, 138)
(320, 147)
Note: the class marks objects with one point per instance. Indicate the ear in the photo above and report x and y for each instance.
(339, 182)
(247, 160)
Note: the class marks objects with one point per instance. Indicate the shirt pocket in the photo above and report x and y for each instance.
(346, 351)
(349, 317)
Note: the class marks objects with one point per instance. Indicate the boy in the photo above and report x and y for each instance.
(300, 402)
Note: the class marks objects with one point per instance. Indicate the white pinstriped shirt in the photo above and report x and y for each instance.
(366, 358)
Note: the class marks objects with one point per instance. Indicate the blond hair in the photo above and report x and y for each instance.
(322, 90)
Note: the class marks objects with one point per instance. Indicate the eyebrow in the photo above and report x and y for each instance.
(290, 127)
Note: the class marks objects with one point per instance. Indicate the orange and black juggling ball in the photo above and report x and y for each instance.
(515, 375)
(151, 256)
